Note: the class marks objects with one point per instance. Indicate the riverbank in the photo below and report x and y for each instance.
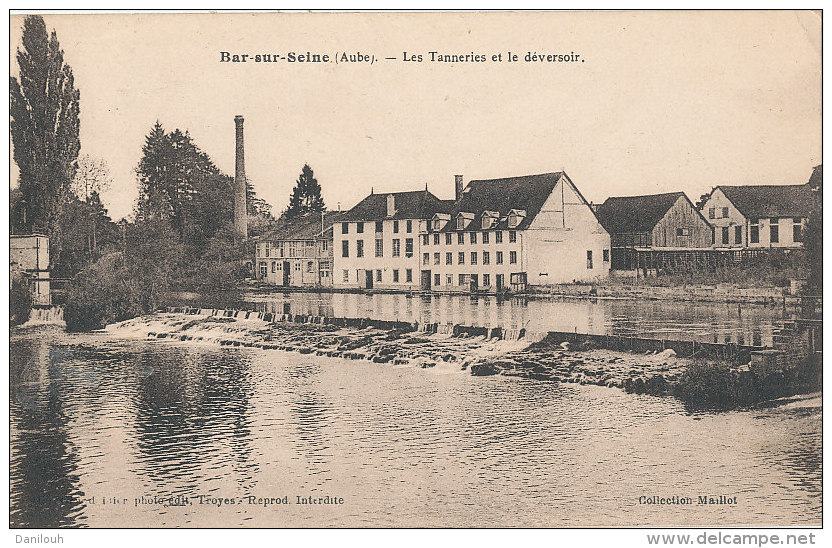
(698, 382)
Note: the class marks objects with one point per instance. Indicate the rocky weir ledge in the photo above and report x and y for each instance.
(702, 374)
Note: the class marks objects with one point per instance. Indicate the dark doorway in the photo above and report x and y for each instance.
(426, 280)
(368, 279)
(286, 272)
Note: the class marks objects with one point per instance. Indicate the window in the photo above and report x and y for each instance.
(738, 234)
(264, 269)
(359, 228)
(397, 247)
(449, 279)
(449, 258)
(473, 237)
(447, 238)
(724, 212)
(409, 226)
(345, 228)
(512, 257)
(436, 239)
(486, 257)
(395, 276)
(797, 235)
(436, 258)
(485, 237)
(589, 259)
(425, 239)
(345, 248)
(460, 258)
(460, 222)
(498, 237)
(395, 227)
(683, 232)
(408, 275)
(408, 247)
(324, 245)
(297, 266)
(425, 258)
(346, 275)
(512, 236)
(359, 248)
(378, 275)
(473, 257)
(281, 250)
(309, 266)
(462, 279)
(379, 247)
(724, 235)
(486, 280)
(279, 266)
(460, 238)
(499, 257)
(755, 231)
(774, 231)
(379, 226)
(268, 246)
(712, 213)
(437, 279)
(606, 255)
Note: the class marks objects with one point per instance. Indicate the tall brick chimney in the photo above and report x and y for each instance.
(457, 187)
(240, 215)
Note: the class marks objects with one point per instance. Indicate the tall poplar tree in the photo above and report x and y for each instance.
(44, 125)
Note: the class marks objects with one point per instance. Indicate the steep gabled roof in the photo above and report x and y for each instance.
(528, 192)
(417, 204)
(630, 214)
(756, 201)
(307, 227)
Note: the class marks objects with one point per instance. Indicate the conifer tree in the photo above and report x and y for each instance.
(306, 196)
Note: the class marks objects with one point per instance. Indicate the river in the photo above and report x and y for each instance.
(108, 431)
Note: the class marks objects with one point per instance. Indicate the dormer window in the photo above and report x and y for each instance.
(489, 219)
(439, 221)
(515, 217)
(462, 220)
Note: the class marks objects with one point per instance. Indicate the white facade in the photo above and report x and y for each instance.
(30, 255)
(377, 254)
(733, 230)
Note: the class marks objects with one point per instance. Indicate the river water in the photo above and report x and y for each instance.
(672, 320)
(107, 431)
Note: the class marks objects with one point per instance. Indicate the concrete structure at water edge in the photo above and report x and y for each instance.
(647, 229)
(298, 252)
(504, 234)
(29, 258)
(762, 216)
(376, 243)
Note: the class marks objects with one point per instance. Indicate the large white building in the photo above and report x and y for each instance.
(29, 257)
(376, 243)
(512, 232)
(498, 235)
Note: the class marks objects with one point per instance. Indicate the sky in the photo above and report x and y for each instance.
(658, 101)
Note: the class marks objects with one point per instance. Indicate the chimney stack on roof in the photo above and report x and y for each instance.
(240, 210)
(391, 205)
(457, 187)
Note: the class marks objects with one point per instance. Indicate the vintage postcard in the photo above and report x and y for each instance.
(415, 270)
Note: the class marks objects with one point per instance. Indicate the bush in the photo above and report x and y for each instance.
(20, 301)
(707, 384)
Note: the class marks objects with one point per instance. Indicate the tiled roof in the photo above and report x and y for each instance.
(527, 192)
(756, 201)
(418, 204)
(307, 227)
(631, 214)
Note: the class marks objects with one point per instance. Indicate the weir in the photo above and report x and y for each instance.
(729, 352)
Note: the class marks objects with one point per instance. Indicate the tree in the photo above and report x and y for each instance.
(306, 196)
(92, 177)
(44, 124)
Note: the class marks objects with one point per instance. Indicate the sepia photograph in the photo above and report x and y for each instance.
(539, 270)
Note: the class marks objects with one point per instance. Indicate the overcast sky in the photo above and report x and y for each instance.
(664, 101)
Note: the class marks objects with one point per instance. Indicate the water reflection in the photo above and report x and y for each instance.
(701, 321)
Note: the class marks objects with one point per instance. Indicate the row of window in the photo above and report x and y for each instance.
(754, 232)
(464, 280)
(472, 237)
(397, 247)
(292, 249)
(359, 227)
(474, 258)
